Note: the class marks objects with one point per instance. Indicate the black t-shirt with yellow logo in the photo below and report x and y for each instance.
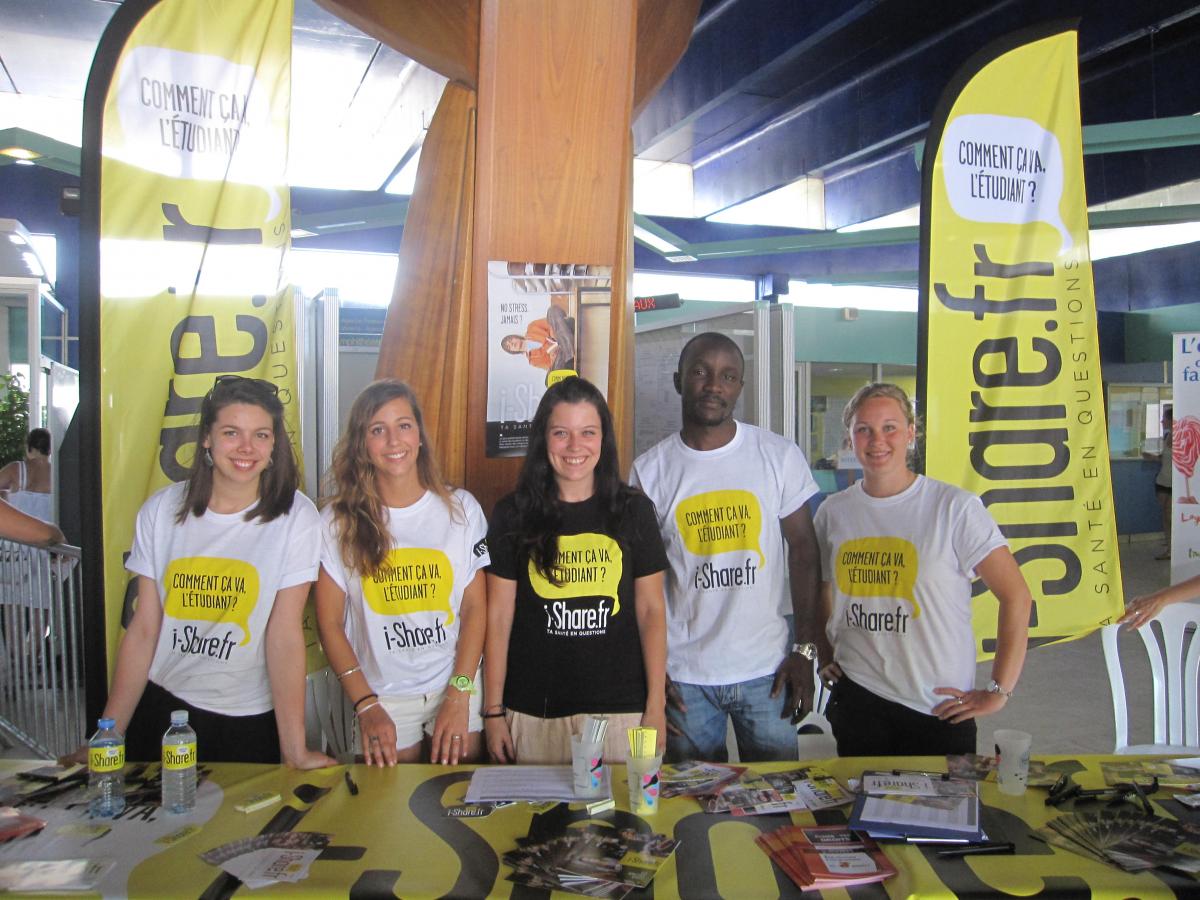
(575, 646)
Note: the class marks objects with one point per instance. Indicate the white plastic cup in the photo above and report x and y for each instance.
(642, 775)
(587, 767)
(1012, 764)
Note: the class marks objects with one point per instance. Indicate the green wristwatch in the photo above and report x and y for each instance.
(463, 683)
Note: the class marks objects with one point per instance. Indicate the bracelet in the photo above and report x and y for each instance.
(372, 705)
(499, 713)
(361, 699)
(348, 673)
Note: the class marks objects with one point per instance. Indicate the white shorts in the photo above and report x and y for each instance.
(414, 715)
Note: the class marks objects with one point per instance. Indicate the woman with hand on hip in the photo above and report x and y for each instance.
(899, 552)
(224, 562)
(400, 598)
(576, 616)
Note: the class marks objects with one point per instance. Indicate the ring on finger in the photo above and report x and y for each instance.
(960, 701)
(456, 737)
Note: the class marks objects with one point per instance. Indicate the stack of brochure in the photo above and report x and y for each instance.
(826, 856)
(1127, 839)
(755, 794)
(692, 778)
(917, 806)
(595, 861)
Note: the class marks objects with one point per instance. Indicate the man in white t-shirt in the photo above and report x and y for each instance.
(728, 496)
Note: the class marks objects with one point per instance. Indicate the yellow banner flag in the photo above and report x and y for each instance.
(1008, 361)
(194, 224)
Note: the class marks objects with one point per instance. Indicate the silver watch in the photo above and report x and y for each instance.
(993, 687)
(807, 650)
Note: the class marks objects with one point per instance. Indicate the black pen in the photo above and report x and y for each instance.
(350, 784)
(989, 849)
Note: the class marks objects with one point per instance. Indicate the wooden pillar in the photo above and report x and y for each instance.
(529, 158)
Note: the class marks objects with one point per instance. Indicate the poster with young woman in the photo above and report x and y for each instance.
(1185, 450)
(545, 321)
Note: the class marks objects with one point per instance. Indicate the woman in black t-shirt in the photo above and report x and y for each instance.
(576, 620)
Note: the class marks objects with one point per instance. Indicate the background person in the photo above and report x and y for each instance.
(575, 601)
(26, 483)
(899, 551)
(1141, 610)
(1163, 479)
(401, 607)
(729, 496)
(224, 562)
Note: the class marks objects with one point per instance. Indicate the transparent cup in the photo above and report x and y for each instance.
(1012, 763)
(587, 767)
(642, 775)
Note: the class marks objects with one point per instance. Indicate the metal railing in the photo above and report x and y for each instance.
(42, 703)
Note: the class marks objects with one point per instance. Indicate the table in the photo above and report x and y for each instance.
(394, 839)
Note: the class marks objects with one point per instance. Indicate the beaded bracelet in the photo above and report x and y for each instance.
(371, 705)
(348, 673)
(361, 699)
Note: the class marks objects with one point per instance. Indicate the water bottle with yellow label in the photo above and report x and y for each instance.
(106, 771)
(179, 765)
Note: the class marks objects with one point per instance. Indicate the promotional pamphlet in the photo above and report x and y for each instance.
(826, 856)
(1127, 839)
(594, 861)
(692, 778)
(755, 794)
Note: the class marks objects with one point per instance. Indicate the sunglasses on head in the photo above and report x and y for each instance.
(222, 381)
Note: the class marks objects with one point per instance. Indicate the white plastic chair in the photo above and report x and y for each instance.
(814, 737)
(1173, 645)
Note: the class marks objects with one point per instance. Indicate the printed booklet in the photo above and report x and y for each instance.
(692, 778)
(917, 806)
(826, 856)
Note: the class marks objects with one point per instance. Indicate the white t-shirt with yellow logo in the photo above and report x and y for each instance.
(217, 578)
(900, 569)
(727, 586)
(403, 620)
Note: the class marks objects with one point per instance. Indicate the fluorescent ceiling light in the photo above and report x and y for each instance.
(653, 240)
(302, 233)
(800, 204)
(899, 219)
(1109, 242)
(663, 189)
(20, 154)
(857, 296)
(694, 287)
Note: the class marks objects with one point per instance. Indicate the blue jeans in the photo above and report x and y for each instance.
(761, 734)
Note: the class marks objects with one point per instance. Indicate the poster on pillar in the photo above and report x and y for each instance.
(1009, 380)
(546, 321)
(1185, 453)
(191, 129)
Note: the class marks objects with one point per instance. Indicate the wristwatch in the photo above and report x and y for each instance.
(993, 687)
(807, 650)
(463, 683)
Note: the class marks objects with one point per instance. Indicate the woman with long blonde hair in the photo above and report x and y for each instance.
(401, 592)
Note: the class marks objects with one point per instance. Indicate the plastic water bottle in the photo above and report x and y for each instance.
(106, 771)
(179, 765)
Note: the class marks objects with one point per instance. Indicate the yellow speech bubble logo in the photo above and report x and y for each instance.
(720, 521)
(878, 567)
(212, 589)
(411, 579)
(587, 565)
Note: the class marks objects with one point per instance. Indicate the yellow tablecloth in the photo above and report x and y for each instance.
(394, 839)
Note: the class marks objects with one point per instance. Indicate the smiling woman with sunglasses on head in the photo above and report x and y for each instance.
(224, 561)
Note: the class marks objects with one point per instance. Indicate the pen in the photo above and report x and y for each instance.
(350, 784)
(945, 776)
(988, 849)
